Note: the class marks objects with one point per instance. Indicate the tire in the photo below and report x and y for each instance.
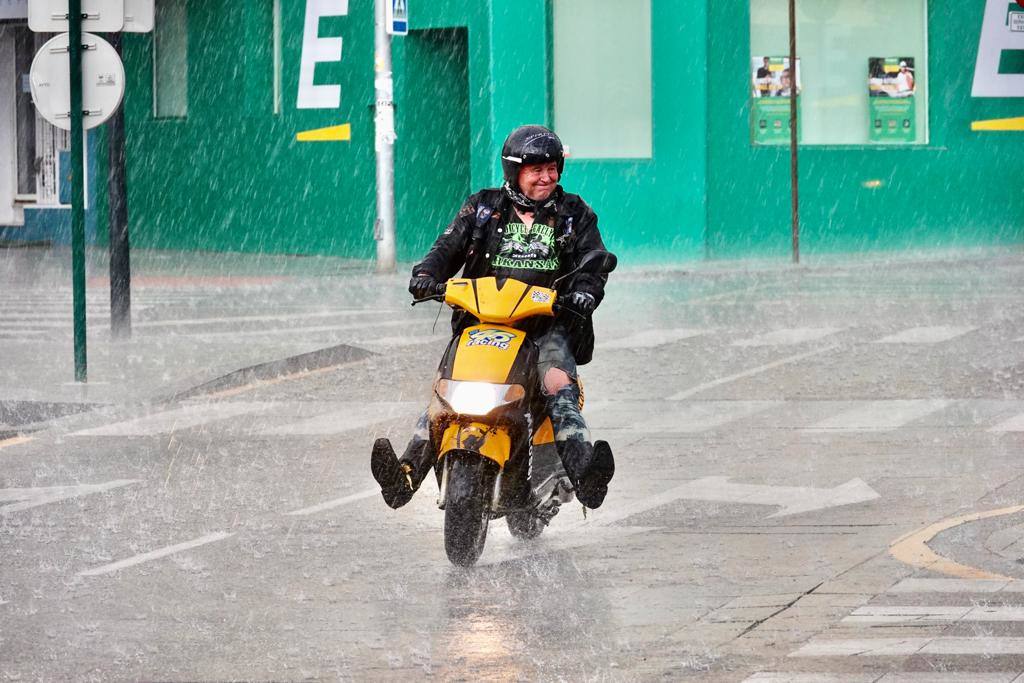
(524, 525)
(467, 508)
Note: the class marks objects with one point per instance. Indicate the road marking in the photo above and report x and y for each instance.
(879, 416)
(889, 647)
(403, 341)
(1014, 424)
(788, 337)
(25, 498)
(652, 338)
(913, 548)
(792, 499)
(748, 373)
(183, 322)
(295, 330)
(15, 441)
(701, 416)
(156, 554)
(354, 415)
(953, 586)
(178, 419)
(337, 502)
(904, 614)
(782, 677)
(925, 335)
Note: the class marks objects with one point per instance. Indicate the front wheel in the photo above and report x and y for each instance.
(467, 508)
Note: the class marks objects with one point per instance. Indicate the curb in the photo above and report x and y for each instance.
(304, 362)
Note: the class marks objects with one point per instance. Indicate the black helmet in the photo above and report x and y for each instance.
(529, 145)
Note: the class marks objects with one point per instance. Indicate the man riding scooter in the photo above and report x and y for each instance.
(531, 230)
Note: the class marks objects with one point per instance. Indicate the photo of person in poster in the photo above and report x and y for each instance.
(891, 77)
(772, 77)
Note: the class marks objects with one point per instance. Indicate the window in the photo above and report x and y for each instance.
(170, 59)
(841, 44)
(602, 77)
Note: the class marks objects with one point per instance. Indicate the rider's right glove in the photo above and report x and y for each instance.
(422, 285)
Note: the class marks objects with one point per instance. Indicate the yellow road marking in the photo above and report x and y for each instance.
(1016, 123)
(330, 134)
(913, 548)
(14, 441)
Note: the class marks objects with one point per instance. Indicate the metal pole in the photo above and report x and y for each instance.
(77, 188)
(120, 262)
(384, 129)
(793, 176)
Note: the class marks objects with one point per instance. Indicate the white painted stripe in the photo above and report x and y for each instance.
(783, 677)
(701, 416)
(862, 647)
(354, 415)
(950, 677)
(156, 554)
(259, 318)
(337, 502)
(748, 373)
(879, 416)
(1014, 424)
(925, 335)
(185, 417)
(951, 586)
(34, 497)
(297, 330)
(402, 341)
(903, 614)
(651, 338)
(788, 337)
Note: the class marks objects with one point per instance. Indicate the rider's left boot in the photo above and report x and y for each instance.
(590, 466)
(399, 479)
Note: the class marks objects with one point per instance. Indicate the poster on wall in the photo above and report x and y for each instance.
(772, 81)
(891, 89)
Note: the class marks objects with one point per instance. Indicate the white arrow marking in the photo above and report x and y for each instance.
(792, 499)
(30, 498)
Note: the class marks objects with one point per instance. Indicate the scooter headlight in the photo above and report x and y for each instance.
(478, 398)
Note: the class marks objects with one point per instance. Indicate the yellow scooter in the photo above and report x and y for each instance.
(495, 447)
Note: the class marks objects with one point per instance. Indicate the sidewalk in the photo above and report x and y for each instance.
(199, 317)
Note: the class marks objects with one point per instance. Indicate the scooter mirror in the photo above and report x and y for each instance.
(598, 262)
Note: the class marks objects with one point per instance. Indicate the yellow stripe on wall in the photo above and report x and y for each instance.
(1016, 123)
(340, 133)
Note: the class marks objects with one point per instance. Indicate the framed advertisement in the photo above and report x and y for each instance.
(891, 91)
(771, 83)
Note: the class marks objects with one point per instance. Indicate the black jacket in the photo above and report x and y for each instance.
(472, 238)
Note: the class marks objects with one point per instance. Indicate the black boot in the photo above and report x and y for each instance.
(400, 478)
(590, 468)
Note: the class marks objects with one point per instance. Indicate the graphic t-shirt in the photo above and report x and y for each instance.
(529, 254)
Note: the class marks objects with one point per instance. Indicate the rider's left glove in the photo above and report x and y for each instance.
(582, 302)
(422, 285)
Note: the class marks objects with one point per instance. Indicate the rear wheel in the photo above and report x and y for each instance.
(524, 524)
(467, 508)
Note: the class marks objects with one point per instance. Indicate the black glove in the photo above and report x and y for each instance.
(581, 302)
(422, 285)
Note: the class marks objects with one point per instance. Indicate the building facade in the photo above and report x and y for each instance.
(250, 123)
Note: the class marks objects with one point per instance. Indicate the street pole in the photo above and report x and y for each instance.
(120, 262)
(77, 188)
(384, 136)
(793, 176)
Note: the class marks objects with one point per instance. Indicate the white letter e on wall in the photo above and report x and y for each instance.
(316, 49)
(999, 31)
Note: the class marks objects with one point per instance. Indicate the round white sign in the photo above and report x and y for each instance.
(102, 81)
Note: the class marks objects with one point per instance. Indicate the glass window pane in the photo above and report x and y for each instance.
(835, 40)
(170, 59)
(602, 77)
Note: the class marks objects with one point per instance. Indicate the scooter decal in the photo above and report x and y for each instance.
(497, 338)
(540, 297)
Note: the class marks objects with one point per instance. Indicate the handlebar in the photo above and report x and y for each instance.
(439, 289)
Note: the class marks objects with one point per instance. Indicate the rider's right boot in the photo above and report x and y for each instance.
(399, 478)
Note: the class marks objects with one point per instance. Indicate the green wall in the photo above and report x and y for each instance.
(231, 176)
(961, 189)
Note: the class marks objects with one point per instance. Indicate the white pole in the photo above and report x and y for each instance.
(384, 137)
